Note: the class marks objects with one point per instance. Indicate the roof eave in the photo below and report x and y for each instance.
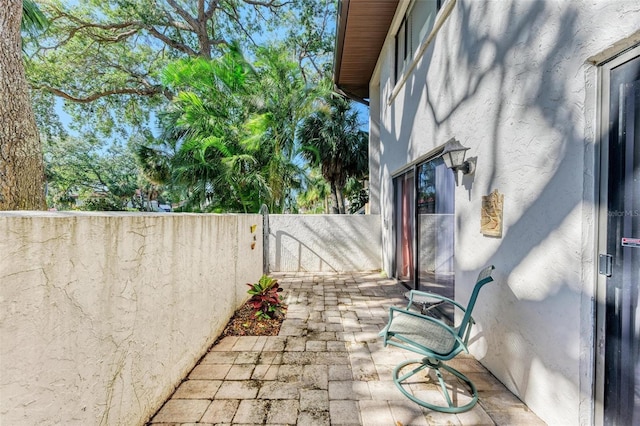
(361, 32)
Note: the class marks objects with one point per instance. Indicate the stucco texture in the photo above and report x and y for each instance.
(102, 315)
(324, 243)
(511, 80)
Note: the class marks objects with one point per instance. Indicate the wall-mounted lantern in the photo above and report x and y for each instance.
(453, 156)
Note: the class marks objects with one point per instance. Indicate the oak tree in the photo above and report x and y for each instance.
(21, 162)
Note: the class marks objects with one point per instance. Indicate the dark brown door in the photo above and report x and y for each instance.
(621, 262)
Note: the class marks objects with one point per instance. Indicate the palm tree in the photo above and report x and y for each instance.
(201, 133)
(333, 140)
(282, 101)
(229, 134)
(315, 195)
(33, 20)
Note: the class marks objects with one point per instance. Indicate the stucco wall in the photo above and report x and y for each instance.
(511, 81)
(102, 315)
(324, 243)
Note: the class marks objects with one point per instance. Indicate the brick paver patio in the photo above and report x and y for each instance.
(327, 366)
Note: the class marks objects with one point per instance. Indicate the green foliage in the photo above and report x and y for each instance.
(105, 58)
(332, 140)
(202, 131)
(229, 125)
(229, 135)
(108, 203)
(265, 297)
(283, 100)
(33, 20)
(313, 197)
(154, 165)
(356, 193)
(82, 175)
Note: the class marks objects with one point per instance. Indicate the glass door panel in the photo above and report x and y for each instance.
(405, 231)
(436, 186)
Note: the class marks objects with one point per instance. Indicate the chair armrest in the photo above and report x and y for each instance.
(437, 299)
(418, 293)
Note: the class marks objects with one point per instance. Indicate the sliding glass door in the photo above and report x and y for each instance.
(424, 207)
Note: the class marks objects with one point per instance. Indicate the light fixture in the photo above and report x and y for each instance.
(453, 156)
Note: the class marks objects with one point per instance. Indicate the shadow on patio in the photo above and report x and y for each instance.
(326, 367)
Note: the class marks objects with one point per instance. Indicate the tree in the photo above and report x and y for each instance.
(208, 165)
(229, 134)
(314, 196)
(104, 57)
(154, 168)
(356, 192)
(82, 174)
(310, 37)
(282, 100)
(332, 140)
(21, 162)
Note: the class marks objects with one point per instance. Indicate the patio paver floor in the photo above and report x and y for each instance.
(326, 367)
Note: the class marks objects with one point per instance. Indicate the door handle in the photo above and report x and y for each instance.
(605, 264)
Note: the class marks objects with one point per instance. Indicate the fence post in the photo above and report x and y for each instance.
(264, 211)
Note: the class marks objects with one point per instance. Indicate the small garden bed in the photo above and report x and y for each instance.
(245, 323)
(262, 315)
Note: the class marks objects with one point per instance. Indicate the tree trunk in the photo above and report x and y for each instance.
(341, 208)
(334, 199)
(21, 161)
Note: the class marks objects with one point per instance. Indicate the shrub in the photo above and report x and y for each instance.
(265, 298)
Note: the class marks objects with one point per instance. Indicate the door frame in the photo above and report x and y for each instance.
(411, 167)
(602, 120)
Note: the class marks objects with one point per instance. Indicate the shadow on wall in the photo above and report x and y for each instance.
(294, 255)
(531, 91)
(530, 74)
(512, 347)
(324, 243)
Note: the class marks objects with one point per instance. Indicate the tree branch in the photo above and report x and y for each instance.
(177, 24)
(236, 18)
(131, 27)
(212, 9)
(185, 15)
(84, 24)
(116, 38)
(201, 17)
(172, 43)
(150, 91)
(269, 4)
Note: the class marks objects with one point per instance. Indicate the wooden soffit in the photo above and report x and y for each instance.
(362, 29)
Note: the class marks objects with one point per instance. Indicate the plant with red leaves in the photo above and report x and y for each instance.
(265, 298)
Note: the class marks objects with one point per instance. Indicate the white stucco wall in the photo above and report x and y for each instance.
(324, 243)
(102, 315)
(511, 81)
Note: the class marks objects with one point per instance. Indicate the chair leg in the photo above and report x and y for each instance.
(436, 365)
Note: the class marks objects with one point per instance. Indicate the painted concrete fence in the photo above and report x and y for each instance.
(102, 315)
(324, 243)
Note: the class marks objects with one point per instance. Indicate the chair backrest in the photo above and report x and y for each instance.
(484, 277)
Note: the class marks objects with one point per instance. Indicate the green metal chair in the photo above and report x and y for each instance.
(435, 340)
